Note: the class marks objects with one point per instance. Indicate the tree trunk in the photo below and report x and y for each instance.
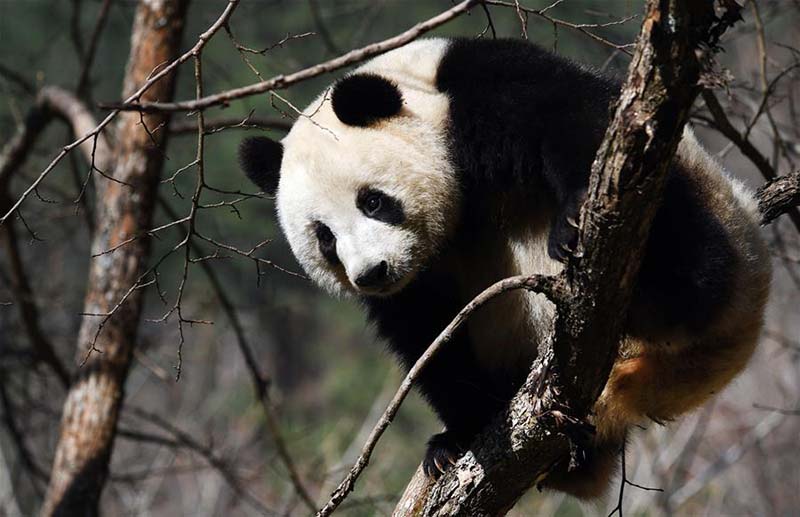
(124, 209)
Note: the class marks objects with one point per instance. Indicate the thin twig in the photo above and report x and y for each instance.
(583, 28)
(222, 124)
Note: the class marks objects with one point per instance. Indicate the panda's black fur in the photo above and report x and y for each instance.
(524, 125)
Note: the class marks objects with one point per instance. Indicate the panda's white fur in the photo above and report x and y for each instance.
(410, 157)
(318, 181)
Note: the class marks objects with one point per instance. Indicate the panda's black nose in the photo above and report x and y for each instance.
(374, 277)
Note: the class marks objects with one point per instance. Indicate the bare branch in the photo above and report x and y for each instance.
(179, 438)
(66, 106)
(222, 124)
(91, 408)
(50, 101)
(283, 81)
(779, 196)
(152, 79)
(583, 28)
(259, 380)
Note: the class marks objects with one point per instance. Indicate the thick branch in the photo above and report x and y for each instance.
(778, 197)
(50, 101)
(628, 175)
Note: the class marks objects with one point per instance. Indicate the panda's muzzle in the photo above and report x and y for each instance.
(375, 277)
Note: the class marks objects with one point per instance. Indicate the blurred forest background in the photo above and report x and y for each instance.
(202, 446)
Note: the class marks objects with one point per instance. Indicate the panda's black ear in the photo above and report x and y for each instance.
(260, 158)
(361, 99)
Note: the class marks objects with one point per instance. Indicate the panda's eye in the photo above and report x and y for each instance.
(380, 206)
(324, 234)
(373, 203)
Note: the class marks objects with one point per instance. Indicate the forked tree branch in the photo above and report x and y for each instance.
(50, 102)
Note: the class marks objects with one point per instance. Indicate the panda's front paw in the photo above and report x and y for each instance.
(563, 238)
(443, 452)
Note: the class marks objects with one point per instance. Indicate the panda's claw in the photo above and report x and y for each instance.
(572, 222)
(443, 452)
(563, 239)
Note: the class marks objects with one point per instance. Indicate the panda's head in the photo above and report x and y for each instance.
(364, 191)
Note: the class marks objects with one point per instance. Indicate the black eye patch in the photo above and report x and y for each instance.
(327, 242)
(380, 206)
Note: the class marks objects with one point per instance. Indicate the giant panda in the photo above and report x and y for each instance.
(441, 167)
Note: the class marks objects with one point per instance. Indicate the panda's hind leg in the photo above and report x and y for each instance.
(662, 383)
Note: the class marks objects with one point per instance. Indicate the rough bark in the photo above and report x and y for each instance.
(124, 209)
(779, 196)
(628, 176)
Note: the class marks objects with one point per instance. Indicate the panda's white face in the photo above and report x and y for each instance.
(366, 194)
(365, 208)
